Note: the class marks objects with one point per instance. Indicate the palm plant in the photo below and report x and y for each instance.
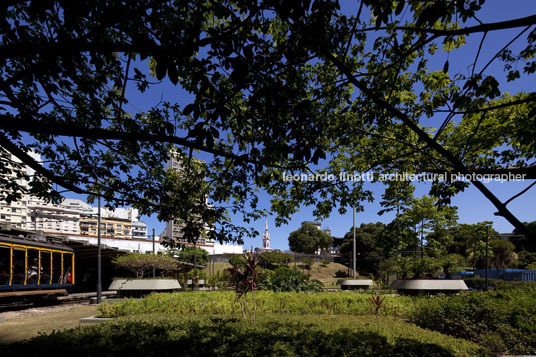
(377, 301)
(244, 279)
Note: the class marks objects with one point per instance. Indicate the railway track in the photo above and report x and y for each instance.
(82, 298)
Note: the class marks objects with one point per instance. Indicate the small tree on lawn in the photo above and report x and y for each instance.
(274, 259)
(141, 264)
(307, 263)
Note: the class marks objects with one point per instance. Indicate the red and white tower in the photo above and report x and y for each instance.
(266, 237)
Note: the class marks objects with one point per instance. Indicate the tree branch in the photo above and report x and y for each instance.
(430, 142)
(520, 193)
(493, 26)
(28, 160)
(64, 129)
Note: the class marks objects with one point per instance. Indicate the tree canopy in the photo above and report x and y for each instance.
(275, 87)
(367, 240)
(308, 239)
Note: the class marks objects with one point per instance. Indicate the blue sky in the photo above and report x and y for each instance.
(472, 205)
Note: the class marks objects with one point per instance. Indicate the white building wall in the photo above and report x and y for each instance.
(51, 218)
(139, 230)
(227, 248)
(142, 246)
(14, 214)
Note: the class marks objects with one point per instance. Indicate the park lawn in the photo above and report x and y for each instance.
(218, 267)
(325, 274)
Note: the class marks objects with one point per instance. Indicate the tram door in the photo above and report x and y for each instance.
(5, 270)
(56, 268)
(46, 268)
(19, 266)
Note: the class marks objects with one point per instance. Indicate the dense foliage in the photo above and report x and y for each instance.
(498, 284)
(192, 255)
(142, 264)
(347, 303)
(272, 89)
(309, 239)
(280, 335)
(503, 320)
(274, 259)
(287, 279)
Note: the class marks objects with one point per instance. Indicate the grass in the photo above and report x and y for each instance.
(218, 267)
(274, 335)
(327, 274)
(222, 302)
(18, 329)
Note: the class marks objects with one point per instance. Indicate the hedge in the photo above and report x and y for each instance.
(349, 303)
(277, 335)
(503, 320)
(499, 284)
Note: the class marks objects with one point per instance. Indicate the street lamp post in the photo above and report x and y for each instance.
(194, 278)
(99, 283)
(154, 253)
(354, 250)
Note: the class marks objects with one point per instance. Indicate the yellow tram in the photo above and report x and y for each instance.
(34, 266)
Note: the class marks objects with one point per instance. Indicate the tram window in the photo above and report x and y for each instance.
(5, 253)
(33, 266)
(56, 268)
(67, 268)
(45, 268)
(19, 266)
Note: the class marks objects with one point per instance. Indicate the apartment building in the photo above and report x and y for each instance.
(112, 227)
(14, 214)
(52, 219)
(174, 229)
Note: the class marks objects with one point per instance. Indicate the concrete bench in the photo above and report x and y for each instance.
(352, 284)
(142, 287)
(428, 286)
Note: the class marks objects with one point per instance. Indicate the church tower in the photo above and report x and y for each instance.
(266, 237)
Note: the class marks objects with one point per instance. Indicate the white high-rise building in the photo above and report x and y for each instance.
(174, 231)
(72, 217)
(52, 219)
(14, 214)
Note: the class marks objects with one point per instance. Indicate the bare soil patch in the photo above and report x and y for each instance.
(23, 324)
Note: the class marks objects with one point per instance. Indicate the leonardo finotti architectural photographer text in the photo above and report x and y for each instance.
(374, 177)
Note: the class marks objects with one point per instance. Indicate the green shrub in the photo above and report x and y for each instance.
(142, 264)
(221, 302)
(287, 279)
(280, 335)
(503, 320)
(498, 284)
(197, 274)
(341, 274)
(273, 259)
(237, 260)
